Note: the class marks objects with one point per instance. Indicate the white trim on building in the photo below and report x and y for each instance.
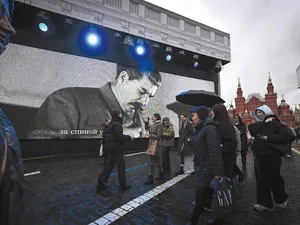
(143, 19)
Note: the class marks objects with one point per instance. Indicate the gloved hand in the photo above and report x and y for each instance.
(263, 137)
(269, 120)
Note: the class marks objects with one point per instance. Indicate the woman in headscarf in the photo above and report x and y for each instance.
(155, 134)
(271, 138)
(241, 126)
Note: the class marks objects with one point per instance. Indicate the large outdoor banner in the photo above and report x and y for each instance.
(71, 97)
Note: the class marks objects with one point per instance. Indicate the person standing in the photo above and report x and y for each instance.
(185, 141)
(12, 204)
(228, 138)
(168, 138)
(236, 169)
(238, 122)
(155, 134)
(270, 137)
(105, 132)
(208, 161)
(114, 146)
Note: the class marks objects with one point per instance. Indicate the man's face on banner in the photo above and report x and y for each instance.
(6, 28)
(134, 94)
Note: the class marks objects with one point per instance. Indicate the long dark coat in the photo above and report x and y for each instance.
(186, 136)
(242, 129)
(156, 132)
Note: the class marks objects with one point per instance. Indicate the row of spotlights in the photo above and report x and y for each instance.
(94, 40)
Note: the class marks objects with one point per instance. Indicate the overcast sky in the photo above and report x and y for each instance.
(265, 36)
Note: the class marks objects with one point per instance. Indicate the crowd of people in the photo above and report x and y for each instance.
(208, 147)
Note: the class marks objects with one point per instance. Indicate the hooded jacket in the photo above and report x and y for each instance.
(269, 136)
(114, 137)
(207, 152)
(168, 136)
(265, 109)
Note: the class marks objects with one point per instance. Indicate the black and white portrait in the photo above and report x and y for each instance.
(66, 96)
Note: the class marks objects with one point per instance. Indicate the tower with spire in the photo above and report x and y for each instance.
(271, 96)
(246, 108)
(239, 100)
(285, 113)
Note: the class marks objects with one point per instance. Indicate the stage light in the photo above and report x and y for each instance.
(69, 28)
(218, 67)
(118, 37)
(168, 54)
(140, 48)
(195, 60)
(155, 46)
(44, 25)
(128, 40)
(181, 54)
(155, 49)
(93, 38)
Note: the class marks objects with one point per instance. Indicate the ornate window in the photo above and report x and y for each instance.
(134, 8)
(152, 14)
(114, 3)
(173, 22)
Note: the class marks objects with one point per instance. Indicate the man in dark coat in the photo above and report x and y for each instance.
(78, 112)
(114, 146)
(105, 132)
(12, 206)
(271, 138)
(207, 159)
(242, 127)
(185, 141)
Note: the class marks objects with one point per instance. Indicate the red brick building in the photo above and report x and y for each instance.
(245, 107)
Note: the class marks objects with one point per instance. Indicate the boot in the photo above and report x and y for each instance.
(124, 188)
(149, 180)
(101, 186)
(161, 177)
(180, 171)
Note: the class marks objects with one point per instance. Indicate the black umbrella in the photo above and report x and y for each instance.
(199, 97)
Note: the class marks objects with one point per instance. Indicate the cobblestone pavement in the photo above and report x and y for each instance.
(64, 193)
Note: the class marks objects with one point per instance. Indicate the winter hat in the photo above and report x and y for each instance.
(202, 112)
(115, 114)
(166, 119)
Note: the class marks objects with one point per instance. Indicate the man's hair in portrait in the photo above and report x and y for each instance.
(137, 74)
(9, 7)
